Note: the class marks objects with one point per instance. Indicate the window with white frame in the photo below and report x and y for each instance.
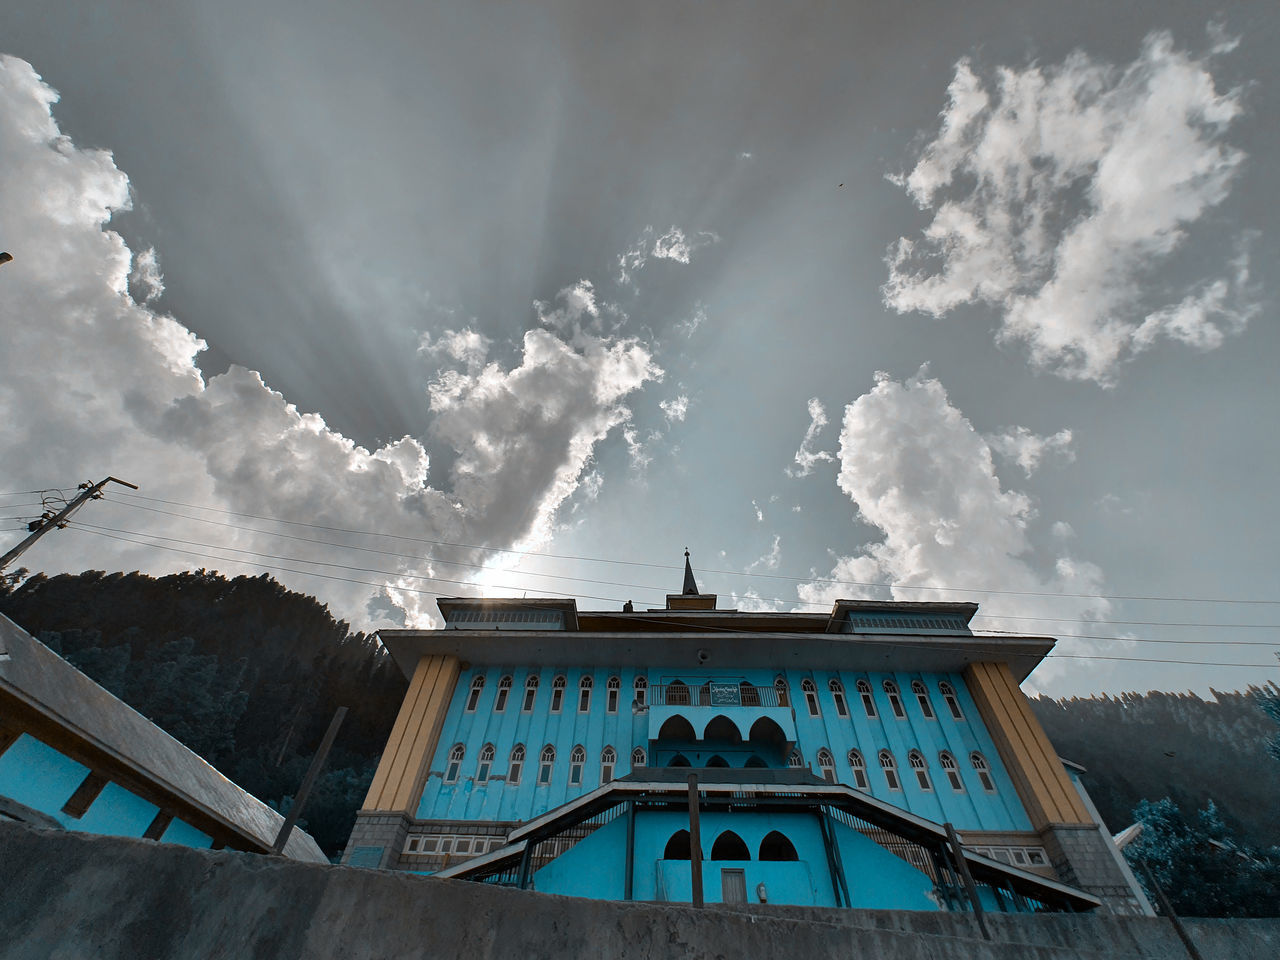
(868, 701)
(546, 762)
(454, 769)
(557, 694)
(837, 694)
(922, 698)
(485, 764)
(504, 691)
(827, 764)
(515, 766)
(952, 770)
(916, 759)
(641, 690)
(859, 768)
(780, 685)
(584, 695)
(577, 757)
(810, 696)
(951, 700)
(530, 693)
(473, 698)
(611, 700)
(608, 760)
(984, 772)
(895, 699)
(639, 758)
(890, 768)
(795, 761)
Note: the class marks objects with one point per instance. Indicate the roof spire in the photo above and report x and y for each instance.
(690, 585)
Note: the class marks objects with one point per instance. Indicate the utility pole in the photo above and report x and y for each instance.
(88, 491)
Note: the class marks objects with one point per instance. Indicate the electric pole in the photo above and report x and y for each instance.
(88, 491)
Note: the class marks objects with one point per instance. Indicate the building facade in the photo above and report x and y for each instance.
(544, 746)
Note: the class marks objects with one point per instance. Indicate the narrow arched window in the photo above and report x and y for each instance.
(922, 698)
(485, 763)
(677, 693)
(729, 846)
(810, 696)
(473, 698)
(984, 772)
(895, 699)
(608, 760)
(557, 694)
(546, 762)
(504, 691)
(639, 758)
(678, 847)
(611, 701)
(916, 759)
(584, 695)
(641, 688)
(780, 688)
(530, 693)
(775, 846)
(748, 695)
(795, 761)
(868, 701)
(827, 764)
(704, 695)
(837, 694)
(952, 701)
(577, 757)
(455, 763)
(859, 768)
(952, 770)
(516, 764)
(890, 768)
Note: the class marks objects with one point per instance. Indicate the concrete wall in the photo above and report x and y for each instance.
(74, 895)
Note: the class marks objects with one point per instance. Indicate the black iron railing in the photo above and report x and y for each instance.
(717, 695)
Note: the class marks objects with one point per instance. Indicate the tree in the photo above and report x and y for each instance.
(1268, 698)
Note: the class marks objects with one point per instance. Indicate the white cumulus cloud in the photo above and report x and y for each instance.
(1028, 450)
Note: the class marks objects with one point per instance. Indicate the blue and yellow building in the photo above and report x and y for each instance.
(881, 755)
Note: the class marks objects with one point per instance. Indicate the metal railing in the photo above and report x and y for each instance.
(717, 695)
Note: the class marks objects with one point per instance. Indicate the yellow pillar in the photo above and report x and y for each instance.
(1038, 775)
(402, 771)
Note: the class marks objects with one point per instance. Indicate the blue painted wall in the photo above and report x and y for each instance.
(186, 835)
(117, 812)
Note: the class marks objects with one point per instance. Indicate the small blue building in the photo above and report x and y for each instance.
(881, 755)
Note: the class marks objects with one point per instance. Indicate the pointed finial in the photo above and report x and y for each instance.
(690, 585)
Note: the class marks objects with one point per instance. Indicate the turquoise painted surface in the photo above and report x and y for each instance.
(35, 774)
(186, 835)
(784, 882)
(878, 879)
(117, 812)
(593, 868)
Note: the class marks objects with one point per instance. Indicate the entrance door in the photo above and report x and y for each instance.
(733, 886)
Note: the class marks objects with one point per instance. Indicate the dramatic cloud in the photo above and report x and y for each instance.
(673, 244)
(806, 457)
(918, 471)
(1059, 193)
(1028, 450)
(93, 380)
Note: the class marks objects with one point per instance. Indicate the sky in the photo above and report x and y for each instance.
(965, 302)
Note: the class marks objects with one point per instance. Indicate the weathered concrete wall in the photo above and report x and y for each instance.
(72, 895)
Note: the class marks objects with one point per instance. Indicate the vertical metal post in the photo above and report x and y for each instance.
(957, 853)
(1167, 907)
(304, 791)
(695, 841)
(833, 867)
(525, 859)
(631, 850)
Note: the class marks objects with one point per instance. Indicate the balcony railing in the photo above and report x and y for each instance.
(715, 694)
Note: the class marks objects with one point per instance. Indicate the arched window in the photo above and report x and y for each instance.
(584, 695)
(641, 690)
(827, 764)
(795, 761)
(455, 763)
(504, 690)
(984, 772)
(749, 696)
(922, 697)
(810, 696)
(557, 694)
(608, 760)
(837, 694)
(677, 694)
(473, 698)
(729, 846)
(678, 847)
(639, 758)
(868, 701)
(780, 687)
(530, 693)
(952, 770)
(577, 757)
(775, 846)
(677, 728)
(890, 768)
(717, 761)
(546, 762)
(916, 759)
(952, 701)
(895, 700)
(704, 695)
(485, 764)
(859, 767)
(611, 701)
(679, 760)
(516, 764)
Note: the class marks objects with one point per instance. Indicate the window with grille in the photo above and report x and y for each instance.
(504, 690)
(547, 762)
(922, 698)
(859, 768)
(837, 694)
(795, 761)
(810, 696)
(611, 700)
(584, 695)
(638, 758)
(868, 701)
(984, 772)
(608, 760)
(895, 699)
(780, 685)
(452, 771)
(485, 764)
(951, 700)
(530, 693)
(473, 698)
(890, 768)
(557, 694)
(827, 764)
(916, 759)
(577, 757)
(516, 764)
(952, 770)
(641, 690)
